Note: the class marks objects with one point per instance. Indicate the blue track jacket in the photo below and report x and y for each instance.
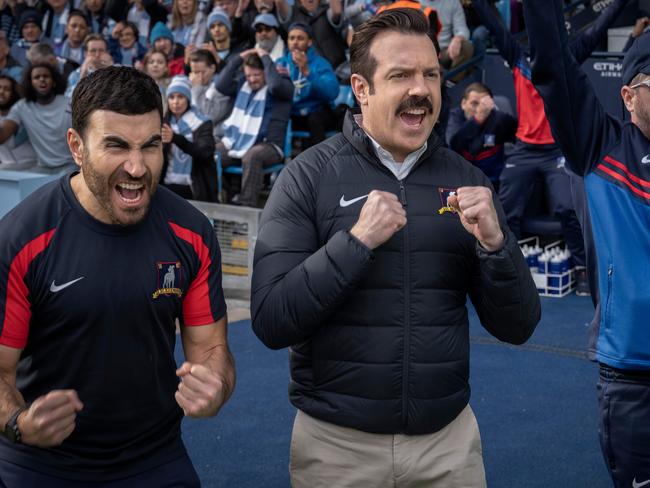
(613, 156)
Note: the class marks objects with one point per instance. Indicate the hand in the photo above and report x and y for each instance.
(210, 47)
(117, 30)
(484, 109)
(104, 60)
(477, 214)
(189, 49)
(50, 419)
(242, 5)
(167, 134)
(381, 217)
(454, 47)
(300, 58)
(640, 26)
(196, 80)
(200, 391)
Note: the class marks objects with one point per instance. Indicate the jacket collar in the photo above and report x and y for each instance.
(362, 143)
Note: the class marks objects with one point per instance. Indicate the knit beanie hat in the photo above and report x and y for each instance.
(219, 15)
(180, 84)
(160, 31)
(29, 16)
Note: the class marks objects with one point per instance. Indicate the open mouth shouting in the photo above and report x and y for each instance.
(131, 195)
(413, 110)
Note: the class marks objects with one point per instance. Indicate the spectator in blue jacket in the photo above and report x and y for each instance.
(254, 133)
(477, 130)
(315, 84)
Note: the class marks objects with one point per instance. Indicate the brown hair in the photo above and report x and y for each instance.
(254, 61)
(477, 87)
(177, 18)
(402, 20)
(147, 57)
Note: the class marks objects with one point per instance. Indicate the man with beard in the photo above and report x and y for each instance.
(45, 114)
(369, 246)
(612, 156)
(267, 36)
(16, 152)
(96, 269)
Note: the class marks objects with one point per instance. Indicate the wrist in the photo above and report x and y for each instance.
(494, 245)
(361, 237)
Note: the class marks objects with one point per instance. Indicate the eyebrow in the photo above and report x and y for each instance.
(410, 69)
(125, 144)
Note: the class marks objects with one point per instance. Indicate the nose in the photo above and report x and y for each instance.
(418, 86)
(135, 166)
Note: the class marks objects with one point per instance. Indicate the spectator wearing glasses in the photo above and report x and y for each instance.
(96, 57)
(267, 36)
(315, 84)
(124, 45)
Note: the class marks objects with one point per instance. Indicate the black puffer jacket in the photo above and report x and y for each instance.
(380, 339)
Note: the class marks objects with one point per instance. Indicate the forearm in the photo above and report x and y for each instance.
(10, 398)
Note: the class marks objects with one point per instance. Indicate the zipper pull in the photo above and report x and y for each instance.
(402, 194)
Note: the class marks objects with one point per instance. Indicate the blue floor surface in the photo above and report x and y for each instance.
(536, 407)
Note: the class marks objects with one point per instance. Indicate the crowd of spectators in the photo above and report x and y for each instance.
(242, 72)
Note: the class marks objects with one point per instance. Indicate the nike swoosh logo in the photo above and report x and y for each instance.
(345, 203)
(646, 159)
(54, 287)
(635, 484)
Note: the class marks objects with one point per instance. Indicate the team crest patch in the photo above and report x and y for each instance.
(445, 193)
(169, 278)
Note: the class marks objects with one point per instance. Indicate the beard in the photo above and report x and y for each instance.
(102, 187)
(267, 44)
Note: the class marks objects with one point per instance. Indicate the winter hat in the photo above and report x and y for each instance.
(303, 27)
(160, 31)
(180, 84)
(219, 15)
(29, 16)
(637, 58)
(266, 19)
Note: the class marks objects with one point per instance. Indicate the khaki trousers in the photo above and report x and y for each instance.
(325, 455)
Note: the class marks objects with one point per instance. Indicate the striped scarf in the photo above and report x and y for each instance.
(179, 171)
(243, 126)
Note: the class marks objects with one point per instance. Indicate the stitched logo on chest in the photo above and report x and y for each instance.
(169, 279)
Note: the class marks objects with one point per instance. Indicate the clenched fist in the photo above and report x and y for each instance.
(50, 419)
(381, 217)
(201, 392)
(477, 214)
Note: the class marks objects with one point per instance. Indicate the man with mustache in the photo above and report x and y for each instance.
(96, 269)
(369, 245)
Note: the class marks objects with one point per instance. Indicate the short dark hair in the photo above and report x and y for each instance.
(204, 56)
(94, 36)
(78, 13)
(254, 61)
(402, 20)
(27, 90)
(477, 87)
(133, 27)
(120, 89)
(15, 96)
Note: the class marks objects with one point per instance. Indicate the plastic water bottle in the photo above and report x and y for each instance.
(555, 269)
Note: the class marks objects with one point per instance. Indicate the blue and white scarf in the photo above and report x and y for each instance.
(179, 171)
(243, 126)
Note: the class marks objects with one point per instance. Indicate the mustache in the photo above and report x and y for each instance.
(120, 175)
(415, 102)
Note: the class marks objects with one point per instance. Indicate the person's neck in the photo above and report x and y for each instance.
(223, 45)
(187, 19)
(74, 44)
(58, 11)
(46, 99)
(3, 63)
(397, 156)
(4, 113)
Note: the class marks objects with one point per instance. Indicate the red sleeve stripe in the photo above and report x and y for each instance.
(15, 327)
(622, 167)
(624, 180)
(196, 306)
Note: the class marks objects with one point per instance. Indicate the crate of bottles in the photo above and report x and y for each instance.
(551, 267)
